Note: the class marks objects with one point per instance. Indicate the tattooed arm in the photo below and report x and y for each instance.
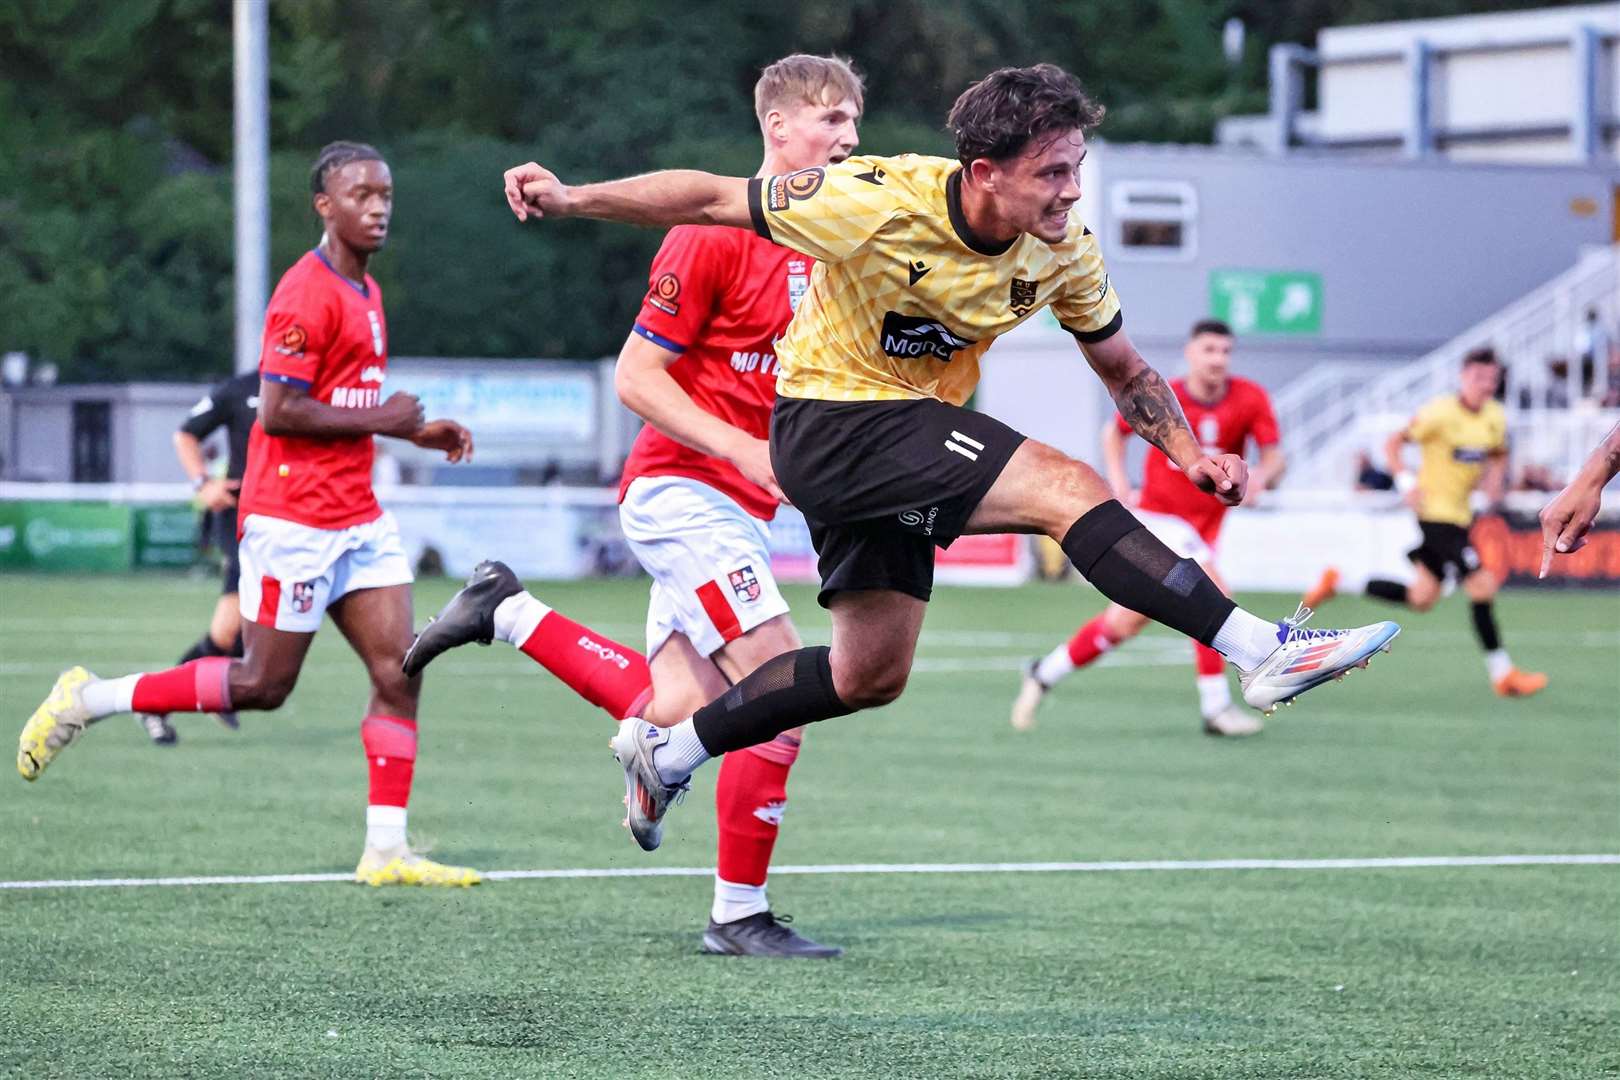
(1149, 405)
(1568, 518)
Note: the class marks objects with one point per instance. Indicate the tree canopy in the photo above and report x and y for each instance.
(115, 140)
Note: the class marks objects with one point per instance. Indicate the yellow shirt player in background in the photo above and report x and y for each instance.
(922, 263)
(1463, 441)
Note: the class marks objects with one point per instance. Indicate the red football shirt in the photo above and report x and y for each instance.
(325, 335)
(721, 297)
(1222, 427)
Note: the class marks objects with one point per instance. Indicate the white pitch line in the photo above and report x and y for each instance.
(1112, 867)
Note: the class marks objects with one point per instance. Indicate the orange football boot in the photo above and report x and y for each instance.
(1325, 589)
(1518, 683)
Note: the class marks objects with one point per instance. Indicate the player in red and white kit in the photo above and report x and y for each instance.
(1226, 412)
(313, 539)
(697, 491)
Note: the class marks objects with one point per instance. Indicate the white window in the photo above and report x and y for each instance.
(1153, 219)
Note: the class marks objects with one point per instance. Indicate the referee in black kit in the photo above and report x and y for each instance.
(232, 405)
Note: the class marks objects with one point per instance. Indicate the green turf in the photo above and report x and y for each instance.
(1500, 972)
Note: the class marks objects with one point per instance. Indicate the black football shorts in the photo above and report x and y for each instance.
(882, 483)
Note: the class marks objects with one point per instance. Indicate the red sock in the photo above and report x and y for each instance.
(390, 744)
(200, 686)
(1090, 642)
(597, 668)
(1209, 661)
(749, 799)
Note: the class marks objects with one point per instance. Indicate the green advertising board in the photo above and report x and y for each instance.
(95, 536)
(1267, 301)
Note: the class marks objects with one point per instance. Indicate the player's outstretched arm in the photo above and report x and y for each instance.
(647, 389)
(285, 409)
(660, 199)
(1567, 519)
(1148, 404)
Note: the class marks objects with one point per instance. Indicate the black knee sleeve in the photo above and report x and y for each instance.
(783, 693)
(1132, 567)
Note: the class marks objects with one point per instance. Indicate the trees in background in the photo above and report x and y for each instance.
(115, 141)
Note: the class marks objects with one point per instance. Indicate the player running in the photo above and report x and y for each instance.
(1463, 439)
(1225, 412)
(313, 538)
(923, 263)
(697, 490)
(234, 406)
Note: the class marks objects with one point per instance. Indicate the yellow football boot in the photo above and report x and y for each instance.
(57, 722)
(401, 866)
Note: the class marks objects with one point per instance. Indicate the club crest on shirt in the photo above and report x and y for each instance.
(744, 583)
(303, 596)
(292, 341)
(665, 294)
(1023, 296)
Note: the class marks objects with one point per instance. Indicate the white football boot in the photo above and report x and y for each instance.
(1309, 658)
(1030, 694)
(646, 796)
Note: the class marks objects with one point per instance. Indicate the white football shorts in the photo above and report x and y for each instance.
(1178, 535)
(710, 562)
(292, 573)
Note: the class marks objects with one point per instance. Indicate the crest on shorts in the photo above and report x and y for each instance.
(1023, 296)
(303, 596)
(744, 583)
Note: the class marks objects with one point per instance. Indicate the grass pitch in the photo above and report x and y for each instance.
(1443, 972)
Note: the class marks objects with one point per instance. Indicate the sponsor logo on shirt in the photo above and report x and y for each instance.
(746, 362)
(355, 397)
(798, 185)
(372, 373)
(1469, 455)
(376, 332)
(913, 335)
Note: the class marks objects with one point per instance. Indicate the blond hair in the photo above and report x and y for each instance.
(809, 80)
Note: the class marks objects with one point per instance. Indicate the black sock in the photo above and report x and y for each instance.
(1381, 589)
(781, 694)
(1485, 626)
(203, 646)
(236, 650)
(1131, 566)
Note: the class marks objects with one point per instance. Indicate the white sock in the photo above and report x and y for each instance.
(733, 901)
(679, 758)
(1054, 666)
(517, 616)
(1246, 639)
(1214, 695)
(385, 827)
(1498, 664)
(103, 697)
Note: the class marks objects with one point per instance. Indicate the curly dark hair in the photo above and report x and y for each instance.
(334, 156)
(998, 116)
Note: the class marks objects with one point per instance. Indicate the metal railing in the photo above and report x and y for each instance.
(1336, 410)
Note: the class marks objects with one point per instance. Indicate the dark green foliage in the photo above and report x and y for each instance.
(115, 140)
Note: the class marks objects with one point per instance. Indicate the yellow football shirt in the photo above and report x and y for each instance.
(905, 298)
(1456, 442)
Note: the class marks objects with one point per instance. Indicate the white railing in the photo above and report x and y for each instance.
(1336, 410)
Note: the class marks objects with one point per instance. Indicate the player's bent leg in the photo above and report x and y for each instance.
(211, 684)
(874, 638)
(1040, 487)
(377, 624)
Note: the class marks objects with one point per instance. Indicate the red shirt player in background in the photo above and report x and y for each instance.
(1225, 412)
(313, 538)
(697, 491)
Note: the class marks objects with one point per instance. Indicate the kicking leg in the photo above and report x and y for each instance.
(377, 624)
(1044, 490)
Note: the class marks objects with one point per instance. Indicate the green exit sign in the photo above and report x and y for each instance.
(1267, 301)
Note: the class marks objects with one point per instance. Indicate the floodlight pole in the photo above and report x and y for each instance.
(251, 154)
